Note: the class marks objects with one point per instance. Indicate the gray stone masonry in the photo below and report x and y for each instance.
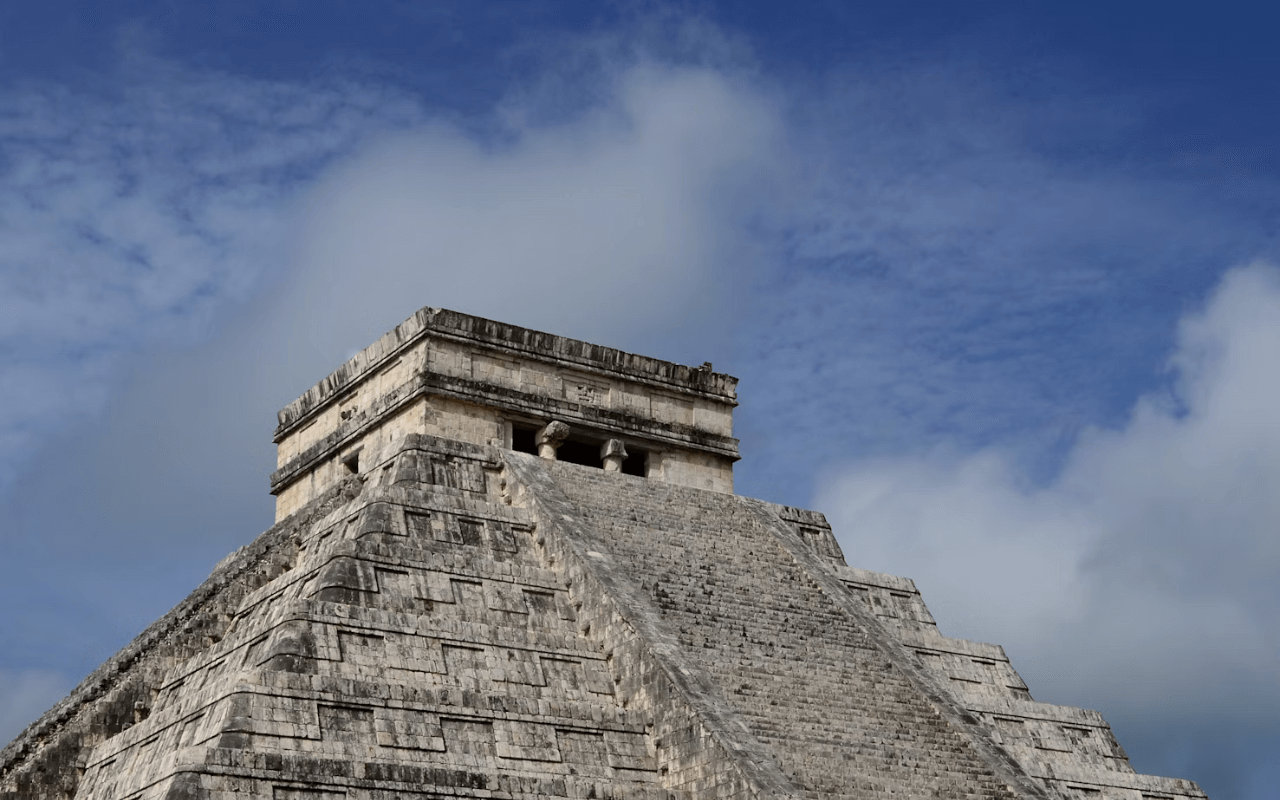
(456, 619)
(475, 380)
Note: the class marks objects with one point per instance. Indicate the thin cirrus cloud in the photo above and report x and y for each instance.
(134, 216)
(960, 272)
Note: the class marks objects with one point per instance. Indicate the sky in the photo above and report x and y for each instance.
(1001, 283)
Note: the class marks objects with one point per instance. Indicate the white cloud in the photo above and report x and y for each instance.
(1143, 577)
(618, 225)
(621, 220)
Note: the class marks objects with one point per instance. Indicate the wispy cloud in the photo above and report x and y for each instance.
(965, 267)
(132, 216)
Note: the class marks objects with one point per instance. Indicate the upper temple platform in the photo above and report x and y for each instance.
(461, 377)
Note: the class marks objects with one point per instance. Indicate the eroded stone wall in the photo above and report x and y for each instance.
(417, 641)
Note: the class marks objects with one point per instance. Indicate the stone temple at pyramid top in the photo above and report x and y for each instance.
(487, 383)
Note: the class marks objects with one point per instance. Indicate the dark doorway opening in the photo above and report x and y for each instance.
(578, 452)
(635, 463)
(523, 440)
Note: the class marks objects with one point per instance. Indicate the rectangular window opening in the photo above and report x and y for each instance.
(581, 452)
(634, 464)
(523, 439)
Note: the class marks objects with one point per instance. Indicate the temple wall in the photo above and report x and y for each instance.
(470, 380)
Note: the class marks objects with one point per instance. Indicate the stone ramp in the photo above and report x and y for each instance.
(830, 710)
(840, 672)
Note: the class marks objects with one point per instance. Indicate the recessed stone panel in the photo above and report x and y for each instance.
(346, 723)
(582, 748)
(526, 741)
(627, 750)
(563, 675)
(409, 729)
(294, 793)
(468, 737)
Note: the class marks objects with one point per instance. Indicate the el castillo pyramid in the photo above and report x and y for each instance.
(511, 565)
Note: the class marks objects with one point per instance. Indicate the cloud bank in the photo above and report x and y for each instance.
(1141, 579)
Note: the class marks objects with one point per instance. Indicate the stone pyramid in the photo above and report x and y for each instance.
(511, 565)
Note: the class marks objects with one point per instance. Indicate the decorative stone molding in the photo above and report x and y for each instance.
(550, 438)
(613, 453)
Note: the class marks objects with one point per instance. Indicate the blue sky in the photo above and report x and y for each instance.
(998, 280)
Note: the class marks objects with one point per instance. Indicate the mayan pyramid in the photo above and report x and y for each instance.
(511, 565)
